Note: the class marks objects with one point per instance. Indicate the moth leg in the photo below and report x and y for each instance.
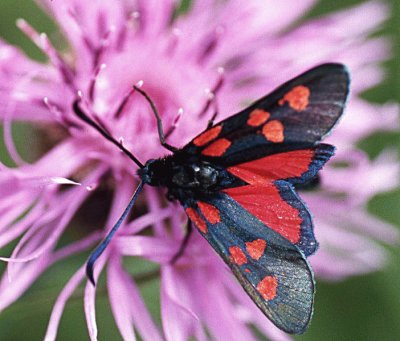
(214, 115)
(212, 99)
(184, 243)
(210, 103)
(158, 118)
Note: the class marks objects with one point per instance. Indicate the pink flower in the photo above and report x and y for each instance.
(235, 50)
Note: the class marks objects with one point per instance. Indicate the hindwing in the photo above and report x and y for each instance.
(273, 271)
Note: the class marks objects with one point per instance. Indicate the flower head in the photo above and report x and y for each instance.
(233, 51)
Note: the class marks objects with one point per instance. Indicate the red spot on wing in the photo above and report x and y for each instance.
(207, 136)
(258, 117)
(195, 217)
(298, 98)
(237, 255)
(256, 248)
(217, 148)
(247, 270)
(273, 131)
(210, 212)
(274, 167)
(267, 287)
(266, 204)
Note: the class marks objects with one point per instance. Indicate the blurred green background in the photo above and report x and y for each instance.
(359, 308)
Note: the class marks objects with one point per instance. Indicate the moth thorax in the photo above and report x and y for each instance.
(196, 175)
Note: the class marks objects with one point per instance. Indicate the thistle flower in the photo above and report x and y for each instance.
(234, 51)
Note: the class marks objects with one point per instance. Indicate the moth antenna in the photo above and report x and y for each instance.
(123, 104)
(103, 245)
(158, 118)
(212, 95)
(104, 132)
(215, 113)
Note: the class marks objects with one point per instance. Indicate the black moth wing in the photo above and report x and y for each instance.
(272, 270)
(307, 107)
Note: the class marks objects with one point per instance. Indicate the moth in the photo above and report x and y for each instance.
(237, 184)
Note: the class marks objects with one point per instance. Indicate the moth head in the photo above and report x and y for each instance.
(154, 172)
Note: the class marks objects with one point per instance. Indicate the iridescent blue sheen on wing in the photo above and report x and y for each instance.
(322, 153)
(273, 271)
(307, 242)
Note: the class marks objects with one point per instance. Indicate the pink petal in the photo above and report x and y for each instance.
(147, 220)
(154, 202)
(75, 247)
(61, 301)
(153, 248)
(90, 312)
(155, 16)
(49, 239)
(127, 305)
(21, 226)
(178, 321)
(222, 322)
(89, 301)
(10, 292)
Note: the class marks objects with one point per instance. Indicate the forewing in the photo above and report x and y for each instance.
(296, 115)
(272, 270)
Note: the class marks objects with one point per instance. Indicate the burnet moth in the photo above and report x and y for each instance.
(236, 182)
